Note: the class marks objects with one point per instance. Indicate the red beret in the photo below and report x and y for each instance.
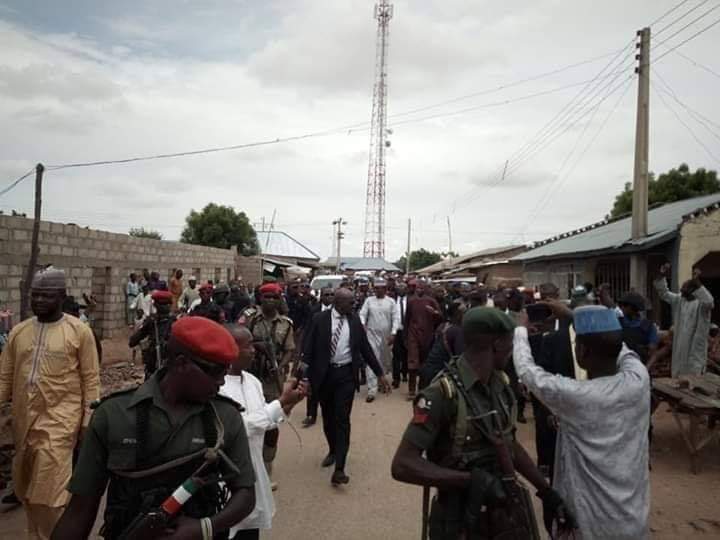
(162, 297)
(272, 288)
(206, 286)
(207, 339)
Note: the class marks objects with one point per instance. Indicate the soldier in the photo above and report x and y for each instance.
(465, 422)
(158, 443)
(157, 329)
(275, 343)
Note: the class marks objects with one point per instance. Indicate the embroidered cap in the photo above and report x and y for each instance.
(595, 320)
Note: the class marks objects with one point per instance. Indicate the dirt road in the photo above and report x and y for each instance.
(373, 505)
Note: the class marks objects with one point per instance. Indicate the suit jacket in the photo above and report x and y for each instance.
(316, 348)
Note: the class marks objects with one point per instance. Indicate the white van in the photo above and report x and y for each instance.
(321, 282)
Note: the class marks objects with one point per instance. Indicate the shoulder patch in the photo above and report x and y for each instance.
(230, 401)
(421, 409)
(95, 404)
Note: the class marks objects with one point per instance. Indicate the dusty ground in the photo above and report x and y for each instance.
(684, 506)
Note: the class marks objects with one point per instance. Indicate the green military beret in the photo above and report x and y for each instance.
(487, 320)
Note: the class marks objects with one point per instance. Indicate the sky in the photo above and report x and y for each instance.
(88, 80)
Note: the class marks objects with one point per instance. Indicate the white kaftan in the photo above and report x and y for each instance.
(381, 319)
(601, 460)
(691, 320)
(258, 417)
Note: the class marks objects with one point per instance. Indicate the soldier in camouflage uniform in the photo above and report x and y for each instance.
(156, 329)
(274, 344)
(465, 423)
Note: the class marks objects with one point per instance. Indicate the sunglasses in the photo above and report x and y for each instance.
(210, 369)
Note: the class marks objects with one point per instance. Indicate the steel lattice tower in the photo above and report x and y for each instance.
(375, 197)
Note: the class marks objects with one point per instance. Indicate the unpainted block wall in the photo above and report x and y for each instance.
(100, 262)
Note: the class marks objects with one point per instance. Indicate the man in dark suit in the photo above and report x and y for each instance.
(327, 296)
(336, 347)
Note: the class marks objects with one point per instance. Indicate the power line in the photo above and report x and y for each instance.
(503, 86)
(687, 127)
(696, 34)
(553, 189)
(16, 182)
(695, 115)
(668, 12)
(680, 17)
(698, 64)
(696, 19)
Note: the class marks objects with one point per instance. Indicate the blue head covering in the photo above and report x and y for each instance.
(595, 320)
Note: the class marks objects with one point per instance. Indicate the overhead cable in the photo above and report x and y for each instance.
(16, 182)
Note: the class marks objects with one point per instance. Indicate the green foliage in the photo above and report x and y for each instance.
(421, 258)
(142, 232)
(221, 227)
(674, 185)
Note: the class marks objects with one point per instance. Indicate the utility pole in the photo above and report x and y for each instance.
(449, 237)
(34, 248)
(339, 235)
(407, 257)
(638, 263)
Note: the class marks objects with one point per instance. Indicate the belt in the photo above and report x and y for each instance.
(341, 365)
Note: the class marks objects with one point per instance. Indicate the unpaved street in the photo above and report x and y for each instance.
(373, 505)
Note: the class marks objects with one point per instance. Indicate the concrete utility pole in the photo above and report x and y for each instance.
(638, 263)
(339, 236)
(34, 248)
(407, 257)
(449, 236)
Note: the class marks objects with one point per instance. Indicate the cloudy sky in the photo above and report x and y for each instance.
(85, 80)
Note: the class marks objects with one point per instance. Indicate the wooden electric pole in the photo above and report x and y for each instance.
(34, 248)
(638, 263)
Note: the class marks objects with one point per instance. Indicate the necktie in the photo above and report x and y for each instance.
(402, 311)
(336, 337)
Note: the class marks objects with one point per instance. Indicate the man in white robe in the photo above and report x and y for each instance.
(381, 318)
(691, 311)
(601, 460)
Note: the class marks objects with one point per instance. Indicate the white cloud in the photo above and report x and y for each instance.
(143, 82)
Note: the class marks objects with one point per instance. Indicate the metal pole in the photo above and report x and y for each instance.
(449, 237)
(34, 248)
(407, 257)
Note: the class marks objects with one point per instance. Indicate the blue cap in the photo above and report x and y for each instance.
(595, 320)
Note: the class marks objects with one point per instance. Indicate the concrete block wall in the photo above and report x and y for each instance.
(100, 262)
(699, 236)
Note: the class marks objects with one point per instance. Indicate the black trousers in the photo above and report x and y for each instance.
(399, 361)
(247, 534)
(336, 400)
(312, 405)
(545, 437)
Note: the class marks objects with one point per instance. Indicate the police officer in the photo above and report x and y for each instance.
(156, 329)
(465, 422)
(207, 307)
(148, 441)
(274, 343)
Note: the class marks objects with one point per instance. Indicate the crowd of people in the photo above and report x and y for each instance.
(190, 452)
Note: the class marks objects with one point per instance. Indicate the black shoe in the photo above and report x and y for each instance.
(328, 461)
(404, 379)
(396, 384)
(10, 498)
(369, 399)
(308, 421)
(339, 477)
(521, 418)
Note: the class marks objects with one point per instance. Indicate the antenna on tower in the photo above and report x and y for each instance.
(374, 245)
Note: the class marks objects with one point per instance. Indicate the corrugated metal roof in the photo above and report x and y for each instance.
(362, 263)
(282, 244)
(450, 264)
(663, 223)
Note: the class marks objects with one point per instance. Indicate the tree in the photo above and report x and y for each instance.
(142, 232)
(221, 227)
(422, 258)
(674, 185)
